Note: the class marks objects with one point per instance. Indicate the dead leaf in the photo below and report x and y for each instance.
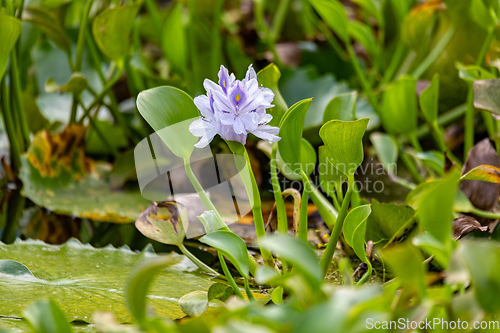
(464, 225)
(482, 195)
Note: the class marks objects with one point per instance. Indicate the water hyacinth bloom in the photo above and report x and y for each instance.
(234, 108)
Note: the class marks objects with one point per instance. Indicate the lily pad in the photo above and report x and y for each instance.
(84, 280)
(58, 176)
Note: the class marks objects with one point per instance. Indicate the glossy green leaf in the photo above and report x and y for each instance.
(277, 295)
(406, 261)
(10, 28)
(329, 176)
(308, 162)
(220, 291)
(341, 107)
(399, 106)
(269, 77)
(49, 24)
(167, 106)
(291, 128)
(210, 221)
(388, 221)
(434, 204)
(487, 95)
(111, 30)
(297, 253)
(163, 223)
(334, 15)
(355, 229)
(433, 159)
(482, 258)
(485, 173)
(194, 303)
(363, 34)
(387, 149)
(11, 267)
(482, 15)
(429, 100)
(174, 42)
(231, 246)
(343, 142)
(47, 317)
(139, 283)
(84, 279)
(75, 85)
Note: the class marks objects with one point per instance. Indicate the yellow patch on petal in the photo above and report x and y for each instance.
(237, 98)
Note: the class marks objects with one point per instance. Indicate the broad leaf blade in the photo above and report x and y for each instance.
(269, 77)
(355, 229)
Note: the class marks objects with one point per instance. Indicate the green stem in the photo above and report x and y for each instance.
(432, 56)
(248, 291)
(229, 277)
(394, 64)
(16, 91)
(303, 208)
(485, 214)
(410, 165)
(414, 141)
(278, 197)
(201, 265)
(254, 195)
(325, 208)
(10, 128)
(486, 44)
(327, 257)
(469, 121)
(365, 84)
(279, 19)
(94, 56)
(81, 36)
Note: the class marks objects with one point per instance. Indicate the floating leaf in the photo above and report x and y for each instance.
(386, 148)
(49, 24)
(291, 128)
(231, 246)
(85, 279)
(111, 30)
(220, 291)
(10, 28)
(194, 303)
(487, 95)
(58, 176)
(355, 229)
(170, 111)
(269, 77)
(485, 173)
(297, 253)
(343, 142)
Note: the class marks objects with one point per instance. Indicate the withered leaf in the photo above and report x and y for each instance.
(482, 195)
(464, 225)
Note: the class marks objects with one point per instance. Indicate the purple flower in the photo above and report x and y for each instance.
(234, 108)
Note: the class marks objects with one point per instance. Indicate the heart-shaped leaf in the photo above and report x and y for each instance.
(355, 229)
(388, 221)
(163, 223)
(111, 30)
(343, 143)
(194, 303)
(170, 111)
(232, 247)
(291, 128)
(220, 291)
(10, 28)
